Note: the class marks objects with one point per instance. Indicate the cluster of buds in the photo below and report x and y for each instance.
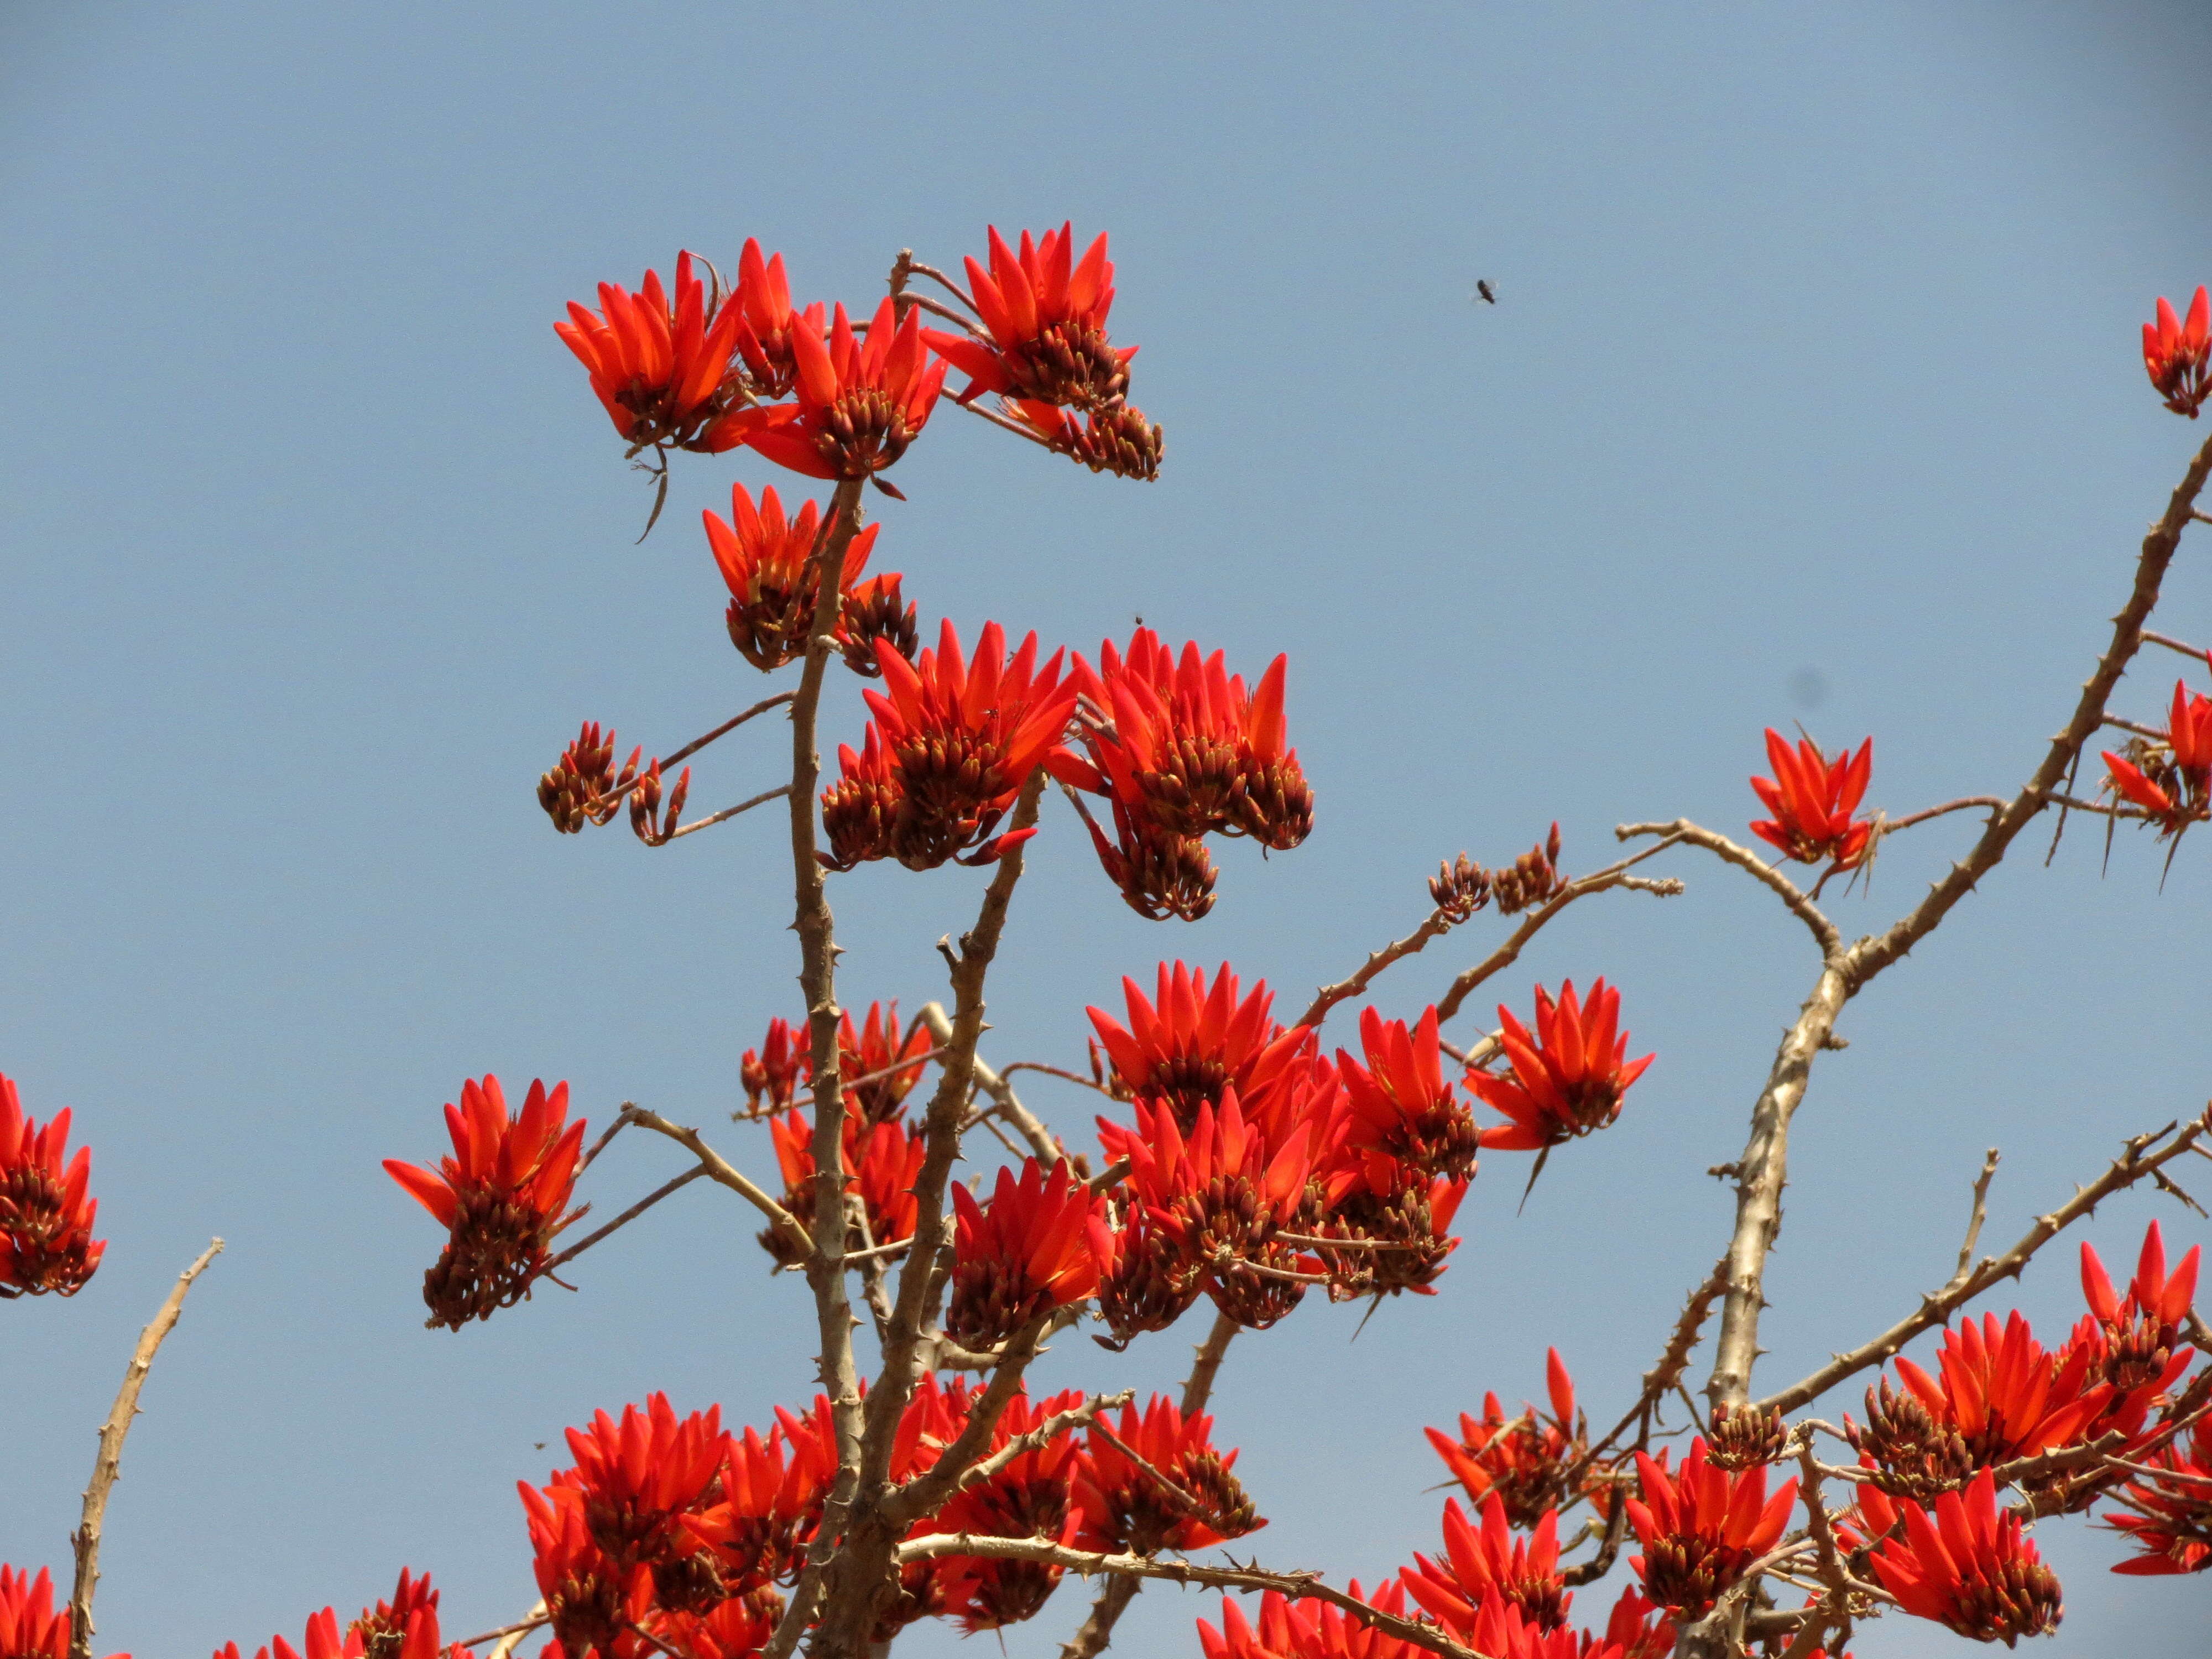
(772, 1072)
(47, 1216)
(877, 612)
(1119, 440)
(1182, 751)
(1746, 1437)
(1530, 880)
(502, 1197)
(948, 750)
(583, 787)
(2178, 356)
(646, 821)
(1459, 889)
(2169, 778)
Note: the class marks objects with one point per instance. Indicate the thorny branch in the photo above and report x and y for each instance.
(107, 1462)
(1005, 1103)
(720, 1169)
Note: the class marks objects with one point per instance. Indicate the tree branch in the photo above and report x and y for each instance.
(107, 1462)
(713, 1165)
(1005, 1102)
(1824, 931)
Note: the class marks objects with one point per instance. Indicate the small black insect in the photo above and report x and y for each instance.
(1484, 291)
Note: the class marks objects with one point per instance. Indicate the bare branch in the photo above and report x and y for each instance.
(723, 1171)
(1824, 931)
(1006, 1102)
(1964, 803)
(725, 815)
(626, 1217)
(1197, 1388)
(1329, 996)
(107, 1462)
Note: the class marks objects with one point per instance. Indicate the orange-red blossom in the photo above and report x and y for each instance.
(1125, 1508)
(503, 1196)
(2178, 356)
(1045, 319)
(1567, 1078)
(768, 562)
(1700, 1527)
(2172, 781)
(1486, 1564)
(1026, 1253)
(1196, 1039)
(1813, 798)
(45, 1217)
(1524, 1459)
(656, 368)
(31, 1627)
(1966, 1566)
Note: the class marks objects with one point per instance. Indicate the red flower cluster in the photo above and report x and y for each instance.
(413, 1636)
(859, 404)
(2170, 778)
(1126, 1509)
(1194, 1042)
(881, 1162)
(30, 1625)
(385, 1630)
(2168, 1516)
(1496, 1630)
(771, 1073)
(1027, 1254)
(1182, 751)
(948, 748)
(658, 369)
(1523, 1459)
(45, 1217)
(1567, 1077)
(873, 1081)
(2177, 356)
(1813, 798)
(1966, 1567)
(1489, 1565)
(1043, 348)
(503, 1196)
(1701, 1528)
(771, 565)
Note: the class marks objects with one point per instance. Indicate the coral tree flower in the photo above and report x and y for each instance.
(881, 1161)
(584, 787)
(1813, 798)
(1966, 1566)
(771, 1499)
(45, 1218)
(2170, 780)
(1033, 1497)
(2137, 1343)
(383, 1630)
(2178, 356)
(2168, 1515)
(1481, 1565)
(657, 367)
(875, 1082)
(772, 1072)
(1317, 1630)
(30, 1625)
(1196, 1040)
(589, 1602)
(859, 406)
(1401, 1112)
(1701, 1528)
(1046, 318)
(1567, 1078)
(767, 324)
(1119, 440)
(504, 1195)
(769, 565)
(950, 747)
(1124, 1507)
(1524, 1460)
(633, 1482)
(1027, 1253)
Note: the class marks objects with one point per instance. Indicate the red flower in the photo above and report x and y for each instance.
(769, 325)
(1966, 1567)
(1126, 1509)
(1310, 1630)
(383, 1630)
(2137, 1342)
(1567, 1078)
(1160, 874)
(948, 748)
(859, 406)
(1403, 1116)
(30, 1627)
(1701, 1528)
(2001, 1395)
(2171, 1520)
(1479, 1567)
(590, 1602)
(1524, 1460)
(771, 1072)
(1047, 321)
(2171, 778)
(735, 1630)
(657, 367)
(1200, 1041)
(1026, 1255)
(770, 1505)
(503, 1197)
(871, 1053)
(1033, 1497)
(585, 788)
(1118, 440)
(46, 1218)
(1639, 1629)
(2178, 358)
(633, 1484)
(1181, 744)
(881, 1162)
(1813, 798)
(768, 564)
(1147, 1275)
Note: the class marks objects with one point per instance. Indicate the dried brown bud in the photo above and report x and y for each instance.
(1459, 889)
(872, 612)
(1531, 879)
(1745, 1437)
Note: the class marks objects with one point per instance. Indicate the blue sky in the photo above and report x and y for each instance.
(1812, 393)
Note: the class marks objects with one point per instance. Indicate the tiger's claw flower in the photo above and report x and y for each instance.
(859, 407)
(769, 564)
(1701, 1528)
(657, 369)
(2178, 356)
(1160, 874)
(1028, 1253)
(503, 1197)
(948, 748)
(881, 1162)
(771, 1072)
(1813, 798)
(2138, 1338)
(872, 612)
(1045, 315)
(45, 1217)
(1966, 1566)
(1567, 1078)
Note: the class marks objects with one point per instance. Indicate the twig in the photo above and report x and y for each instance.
(1041, 1140)
(1964, 803)
(1937, 1306)
(1064, 1076)
(726, 814)
(726, 727)
(626, 1217)
(1198, 1388)
(107, 1462)
(719, 1168)
(622, 1118)
(1824, 931)
(2149, 638)
(1674, 1360)
(521, 1628)
(1329, 996)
